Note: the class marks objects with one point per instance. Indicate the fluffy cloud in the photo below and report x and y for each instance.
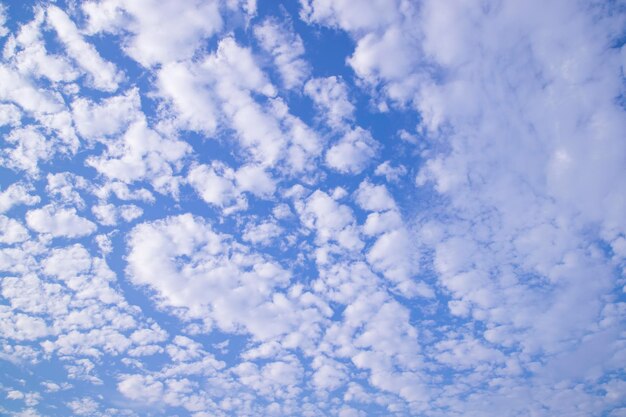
(353, 152)
(286, 49)
(216, 185)
(16, 194)
(30, 147)
(139, 388)
(143, 154)
(102, 74)
(59, 222)
(12, 231)
(109, 117)
(331, 96)
(156, 32)
(28, 53)
(3, 19)
(224, 281)
(18, 89)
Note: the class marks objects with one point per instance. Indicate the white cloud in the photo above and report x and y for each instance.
(110, 214)
(101, 74)
(286, 48)
(223, 187)
(46, 106)
(123, 192)
(84, 406)
(331, 221)
(27, 52)
(156, 32)
(223, 281)
(59, 222)
(109, 117)
(539, 205)
(377, 336)
(215, 184)
(255, 180)
(143, 154)
(353, 152)
(16, 88)
(184, 85)
(64, 187)
(226, 79)
(384, 56)
(351, 15)
(139, 388)
(3, 19)
(514, 168)
(16, 194)
(15, 395)
(331, 96)
(391, 173)
(12, 231)
(218, 92)
(329, 374)
(374, 197)
(10, 115)
(393, 253)
(50, 386)
(262, 233)
(387, 51)
(30, 147)
(20, 326)
(67, 297)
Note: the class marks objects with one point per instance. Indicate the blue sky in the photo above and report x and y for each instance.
(317, 208)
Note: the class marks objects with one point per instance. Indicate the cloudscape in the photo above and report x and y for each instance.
(343, 208)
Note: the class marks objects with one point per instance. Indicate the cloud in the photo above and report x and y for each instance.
(102, 74)
(332, 222)
(262, 233)
(286, 49)
(109, 117)
(255, 180)
(16, 194)
(220, 93)
(109, 214)
(30, 147)
(28, 53)
(185, 86)
(374, 197)
(156, 32)
(12, 231)
(84, 406)
(330, 94)
(59, 222)
(139, 388)
(215, 184)
(224, 282)
(353, 152)
(350, 15)
(391, 173)
(10, 115)
(142, 154)
(3, 19)
(18, 89)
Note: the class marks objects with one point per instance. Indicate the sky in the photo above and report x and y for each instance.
(341, 208)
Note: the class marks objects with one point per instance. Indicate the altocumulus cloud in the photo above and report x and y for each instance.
(315, 208)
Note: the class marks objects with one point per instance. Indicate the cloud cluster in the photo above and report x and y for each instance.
(330, 208)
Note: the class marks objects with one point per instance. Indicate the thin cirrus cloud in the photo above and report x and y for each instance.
(202, 213)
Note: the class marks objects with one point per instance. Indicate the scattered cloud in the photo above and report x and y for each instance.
(323, 208)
